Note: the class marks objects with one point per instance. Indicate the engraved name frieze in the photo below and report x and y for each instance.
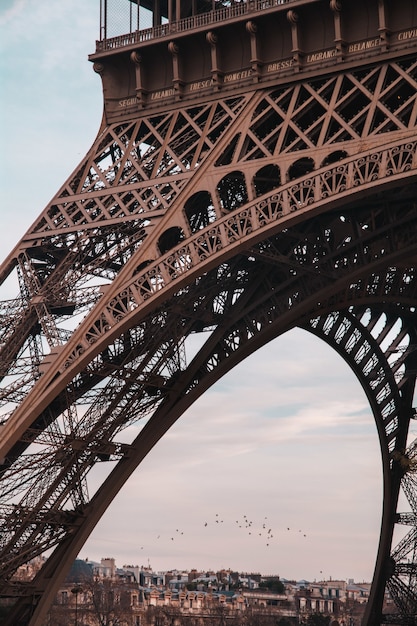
(128, 102)
(280, 65)
(321, 56)
(407, 34)
(164, 93)
(234, 76)
(360, 46)
(201, 84)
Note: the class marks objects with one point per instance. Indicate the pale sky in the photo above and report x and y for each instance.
(286, 440)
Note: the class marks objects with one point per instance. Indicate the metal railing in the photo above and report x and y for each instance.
(236, 9)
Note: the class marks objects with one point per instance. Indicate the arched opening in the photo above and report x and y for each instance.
(334, 157)
(232, 191)
(266, 179)
(170, 238)
(199, 211)
(286, 435)
(300, 168)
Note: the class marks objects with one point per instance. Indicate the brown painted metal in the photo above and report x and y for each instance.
(256, 170)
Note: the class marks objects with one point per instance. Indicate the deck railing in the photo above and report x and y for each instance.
(236, 9)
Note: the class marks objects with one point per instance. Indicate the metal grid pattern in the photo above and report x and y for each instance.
(178, 221)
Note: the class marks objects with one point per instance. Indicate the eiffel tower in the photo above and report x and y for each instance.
(255, 171)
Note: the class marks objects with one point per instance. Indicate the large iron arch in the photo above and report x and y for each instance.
(131, 297)
(287, 291)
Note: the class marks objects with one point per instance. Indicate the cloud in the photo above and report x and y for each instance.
(12, 12)
(51, 104)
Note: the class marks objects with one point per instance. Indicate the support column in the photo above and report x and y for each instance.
(156, 13)
(256, 64)
(141, 93)
(216, 73)
(383, 29)
(340, 44)
(176, 73)
(297, 53)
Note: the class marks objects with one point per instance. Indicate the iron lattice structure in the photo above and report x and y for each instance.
(237, 215)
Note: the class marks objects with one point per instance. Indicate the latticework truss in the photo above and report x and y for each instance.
(402, 584)
(241, 217)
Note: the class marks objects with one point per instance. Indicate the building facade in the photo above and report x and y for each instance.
(103, 594)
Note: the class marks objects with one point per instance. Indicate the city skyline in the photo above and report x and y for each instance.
(286, 439)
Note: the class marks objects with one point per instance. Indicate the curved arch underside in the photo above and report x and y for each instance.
(126, 252)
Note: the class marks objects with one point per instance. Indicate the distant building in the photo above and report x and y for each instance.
(138, 596)
(28, 571)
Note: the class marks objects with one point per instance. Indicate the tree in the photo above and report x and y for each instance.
(285, 621)
(94, 601)
(110, 602)
(273, 584)
(191, 586)
(317, 619)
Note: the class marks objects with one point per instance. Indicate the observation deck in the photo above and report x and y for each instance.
(155, 54)
(167, 23)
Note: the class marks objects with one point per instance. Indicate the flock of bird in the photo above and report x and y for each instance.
(243, 525)
(255, 530)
